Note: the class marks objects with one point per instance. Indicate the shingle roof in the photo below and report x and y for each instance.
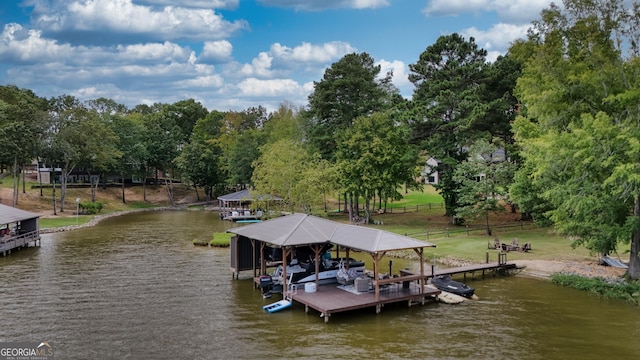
(10, 214)
(303, 229)
(246, 195)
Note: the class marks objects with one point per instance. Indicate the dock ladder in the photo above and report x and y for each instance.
(292, 289)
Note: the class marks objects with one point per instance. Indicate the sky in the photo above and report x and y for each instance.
(231, 55)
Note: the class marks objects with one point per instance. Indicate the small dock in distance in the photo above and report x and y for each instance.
(492, 267)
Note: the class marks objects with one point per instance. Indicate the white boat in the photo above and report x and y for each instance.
(330, 269)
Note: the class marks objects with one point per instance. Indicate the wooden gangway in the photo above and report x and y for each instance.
(474, 268)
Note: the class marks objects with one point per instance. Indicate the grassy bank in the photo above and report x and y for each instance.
(420, 214)
(620, 291)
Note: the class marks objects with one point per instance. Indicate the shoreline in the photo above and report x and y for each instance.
(534, 268)
(96, 219)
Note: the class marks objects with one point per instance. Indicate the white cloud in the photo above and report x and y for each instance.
(307, 52)
(203, 4)
(260, 66)
(270, 88)
(153, 52)
(508, 10)
(326, 4)
(400, 76)
(125, 17)
(210, 81)
(216, 51)
(19, 45)
(498, 38)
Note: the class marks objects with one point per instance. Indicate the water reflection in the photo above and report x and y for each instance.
(135, 287)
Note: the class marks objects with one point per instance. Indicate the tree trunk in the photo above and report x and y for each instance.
(634, 261)
(16, 180)
(486, 220)
(53, 171)
(64, 176)
(169, 186)
(93, 188)
(124, 200)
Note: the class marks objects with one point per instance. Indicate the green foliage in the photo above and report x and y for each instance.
(449, 78)
(622, 291)
(285, 169)
(350, 88)
(374, 158)
(162, 137)
(221, 239)
(90, 207)
(484, 179)
(579, 131)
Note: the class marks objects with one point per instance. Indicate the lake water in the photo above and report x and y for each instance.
(135, 287)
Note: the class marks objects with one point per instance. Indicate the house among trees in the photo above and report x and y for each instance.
(430, 174)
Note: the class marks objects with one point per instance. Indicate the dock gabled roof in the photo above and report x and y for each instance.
(303, 229)
(10, 215)
(246, 195)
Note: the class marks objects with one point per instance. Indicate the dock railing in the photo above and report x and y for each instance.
(9, 242)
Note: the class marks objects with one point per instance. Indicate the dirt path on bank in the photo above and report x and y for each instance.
(546, 268)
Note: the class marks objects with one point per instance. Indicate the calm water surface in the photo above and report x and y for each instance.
(135, 287)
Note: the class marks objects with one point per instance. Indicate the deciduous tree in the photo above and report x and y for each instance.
(580, 130)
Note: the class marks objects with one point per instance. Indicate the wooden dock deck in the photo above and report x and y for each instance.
(330, 299)
(464, 270)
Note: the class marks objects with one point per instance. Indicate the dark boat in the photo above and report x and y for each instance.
(445, 283)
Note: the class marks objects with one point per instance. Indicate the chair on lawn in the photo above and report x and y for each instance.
(512, 247)
(526, 247)
(496, 244)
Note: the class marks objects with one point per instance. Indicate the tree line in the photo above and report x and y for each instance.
(551, 127)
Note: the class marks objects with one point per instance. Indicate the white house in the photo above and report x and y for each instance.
(431, 176)
(429, 173)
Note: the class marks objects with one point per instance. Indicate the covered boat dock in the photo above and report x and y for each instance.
(236, 206)
(18, 229)
(289, 232)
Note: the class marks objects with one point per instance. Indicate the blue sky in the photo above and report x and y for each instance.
(231, 54)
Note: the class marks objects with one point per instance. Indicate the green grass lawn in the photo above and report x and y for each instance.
(46, 223)
(413, 198)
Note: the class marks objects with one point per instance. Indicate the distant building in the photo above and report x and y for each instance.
(431, 176)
